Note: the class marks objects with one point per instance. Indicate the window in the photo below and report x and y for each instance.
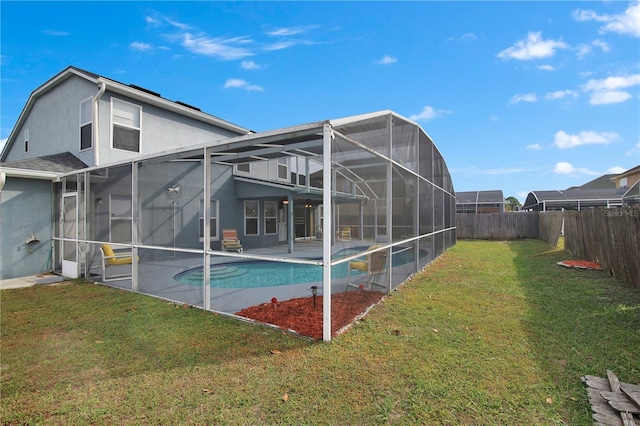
(251, 217)
(283, 169)
(623, 182)
(86, 124)
(120, 218)
(26, 140)
(270, 217)
(243, 167)
(125, 118)
(213, 220)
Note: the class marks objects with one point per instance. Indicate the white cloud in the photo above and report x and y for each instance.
(563, 140)
(546, 68)
(140, 46)
(560, 94)
(534, 47)
(636, 148)
(528, 97)
(386, 60)
(564, 168)
(279, 46)
(603, 98)
(616, 169)
(464, 37)
(222, 48)
(238, 83)
(3, 142)
(250, 65)
(289, 31)
(624, 23)
(429, 113)
(534, 147)
(607, 90)
(150, 20)
(179, 25)
(602, 45)
(56, 33)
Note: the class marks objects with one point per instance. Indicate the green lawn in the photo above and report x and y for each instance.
(490, 333)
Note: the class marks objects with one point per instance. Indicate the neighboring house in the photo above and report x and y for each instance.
(610, 190)
(480, 201)
(627, 179)
(74, 120)
(573, 199)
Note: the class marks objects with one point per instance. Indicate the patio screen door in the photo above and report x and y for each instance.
(70, 235)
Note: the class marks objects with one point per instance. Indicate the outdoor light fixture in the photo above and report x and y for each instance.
(308, 204)
(285, 201)
(314, 291)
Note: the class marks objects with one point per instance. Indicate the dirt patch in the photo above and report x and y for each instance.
(301, 316)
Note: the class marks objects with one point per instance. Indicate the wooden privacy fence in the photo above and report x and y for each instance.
(610, 237)
(545, 226)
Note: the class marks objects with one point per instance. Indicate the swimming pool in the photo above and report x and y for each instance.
(261, 273)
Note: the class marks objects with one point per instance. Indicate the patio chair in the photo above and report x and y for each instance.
(230, 241)
(111, 257)
(344, 233)
(373, 264)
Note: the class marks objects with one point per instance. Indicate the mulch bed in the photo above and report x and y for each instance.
(580, 264)
(301, 316)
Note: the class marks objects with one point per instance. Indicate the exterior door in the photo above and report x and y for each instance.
(283, 230)
(70, 235)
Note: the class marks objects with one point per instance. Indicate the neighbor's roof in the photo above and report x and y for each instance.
(131, 90)
(480, 197)
(603, 182)
(631, 171)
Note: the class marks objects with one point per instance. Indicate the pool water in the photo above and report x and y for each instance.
(268, 274)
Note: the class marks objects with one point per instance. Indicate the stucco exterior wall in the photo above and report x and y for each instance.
(25, 207)
(54, 123)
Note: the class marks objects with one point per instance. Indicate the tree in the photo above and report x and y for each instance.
(512, 204)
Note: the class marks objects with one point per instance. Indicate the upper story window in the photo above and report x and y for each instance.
(283, 169)
(86, 124)
(26, 140)
(125, 119)
(623, 182)
(243, 167)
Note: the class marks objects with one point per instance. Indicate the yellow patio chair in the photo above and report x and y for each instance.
(111, 257)
(374, 264)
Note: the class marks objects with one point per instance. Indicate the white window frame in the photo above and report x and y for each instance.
(238, 170)
(255, 217)
(88, 120)
(623, 182)
(26, 140)
(274, 205)
(113, 198)
(282, 164)
(114, 102)
(214, 214)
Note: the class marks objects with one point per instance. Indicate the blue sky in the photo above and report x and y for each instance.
(517, 96)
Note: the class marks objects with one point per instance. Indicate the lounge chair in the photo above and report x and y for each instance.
(230, 241)
(374, 264)
(344, 233)
(111, 257)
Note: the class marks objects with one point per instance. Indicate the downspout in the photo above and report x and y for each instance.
(96, 117)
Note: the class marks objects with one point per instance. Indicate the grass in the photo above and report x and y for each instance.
(490, 333)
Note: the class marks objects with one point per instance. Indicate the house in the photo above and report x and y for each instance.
(628, 178)
(74, 120)
(285, 193)
(480, 201)
(609, 190)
